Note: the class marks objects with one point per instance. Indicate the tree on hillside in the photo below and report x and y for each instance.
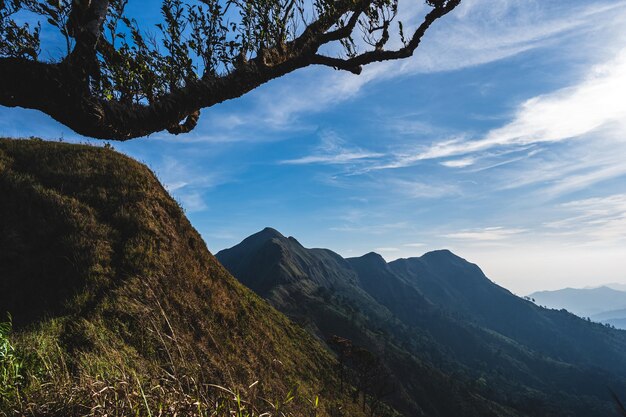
(118, 80)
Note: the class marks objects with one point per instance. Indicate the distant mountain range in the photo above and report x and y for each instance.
(616, 286)
(438, 325)
(605, 304)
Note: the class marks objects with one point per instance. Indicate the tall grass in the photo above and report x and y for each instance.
(35, 380)
(11, 366)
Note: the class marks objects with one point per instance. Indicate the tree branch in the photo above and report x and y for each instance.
(85, 23)
(66, 90)
(355, 64)
(52, 88)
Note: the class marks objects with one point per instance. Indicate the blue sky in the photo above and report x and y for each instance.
(503, 139)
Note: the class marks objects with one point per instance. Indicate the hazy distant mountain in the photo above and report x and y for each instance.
(440, 311)
(610, 315)
(615, 318)
(584, 302)
(616, 286)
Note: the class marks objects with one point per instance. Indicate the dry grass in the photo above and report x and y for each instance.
(119, 308)
(36, 380)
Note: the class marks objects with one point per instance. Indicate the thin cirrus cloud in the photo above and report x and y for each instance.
(387, 249)
(597, 220)
(340, 158)
(486, 234)
(458, 163)
(333, 150)
(570, 166)
(558, 116)
(477, 33)
(421, 189)
(572, 112)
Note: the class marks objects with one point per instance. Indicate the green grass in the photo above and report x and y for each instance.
(11, 366)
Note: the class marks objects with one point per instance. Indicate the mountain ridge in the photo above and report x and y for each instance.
(444, 310)
(583, 302)
(337, 305)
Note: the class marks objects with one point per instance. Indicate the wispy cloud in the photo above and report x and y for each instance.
(458, 163)
(477, 33)
(333, 150)
(192, 201)
(387, 249)
(486, 234)
(565, 114)
(422, 190)
(186, 182)
(593, 220)
(482, 31)
(570, 166)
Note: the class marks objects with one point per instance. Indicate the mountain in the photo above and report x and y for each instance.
(324, 293)
(442, 315)
(616, 286)
(118, 307)
(584, 302)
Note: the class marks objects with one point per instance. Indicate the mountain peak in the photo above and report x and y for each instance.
(441, 253)
(374, 257)
(268, 233)
(261, 237)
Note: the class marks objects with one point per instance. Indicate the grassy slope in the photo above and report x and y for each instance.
(110, 287)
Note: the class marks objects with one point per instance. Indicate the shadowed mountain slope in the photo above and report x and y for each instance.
(442, 312)
(462, 288)
(322, 291)
(119, 308)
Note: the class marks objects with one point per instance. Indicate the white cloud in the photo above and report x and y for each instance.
(191, 201)
(186, 182)
(340, 158)
(486, 234)
(176, 174)
(570, 166)
(598, 220)
(333, 150)
(478, 32)
(387, 249)
(458, 163)
(420, 189)
(483, 31)
(597, 101)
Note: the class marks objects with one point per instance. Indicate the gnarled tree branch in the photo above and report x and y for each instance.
(120, 91)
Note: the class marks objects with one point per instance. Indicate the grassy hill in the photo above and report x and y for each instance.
(118, 308)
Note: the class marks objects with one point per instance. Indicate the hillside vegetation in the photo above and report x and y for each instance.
(321, 290)
(450, 339)
(117, 307)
